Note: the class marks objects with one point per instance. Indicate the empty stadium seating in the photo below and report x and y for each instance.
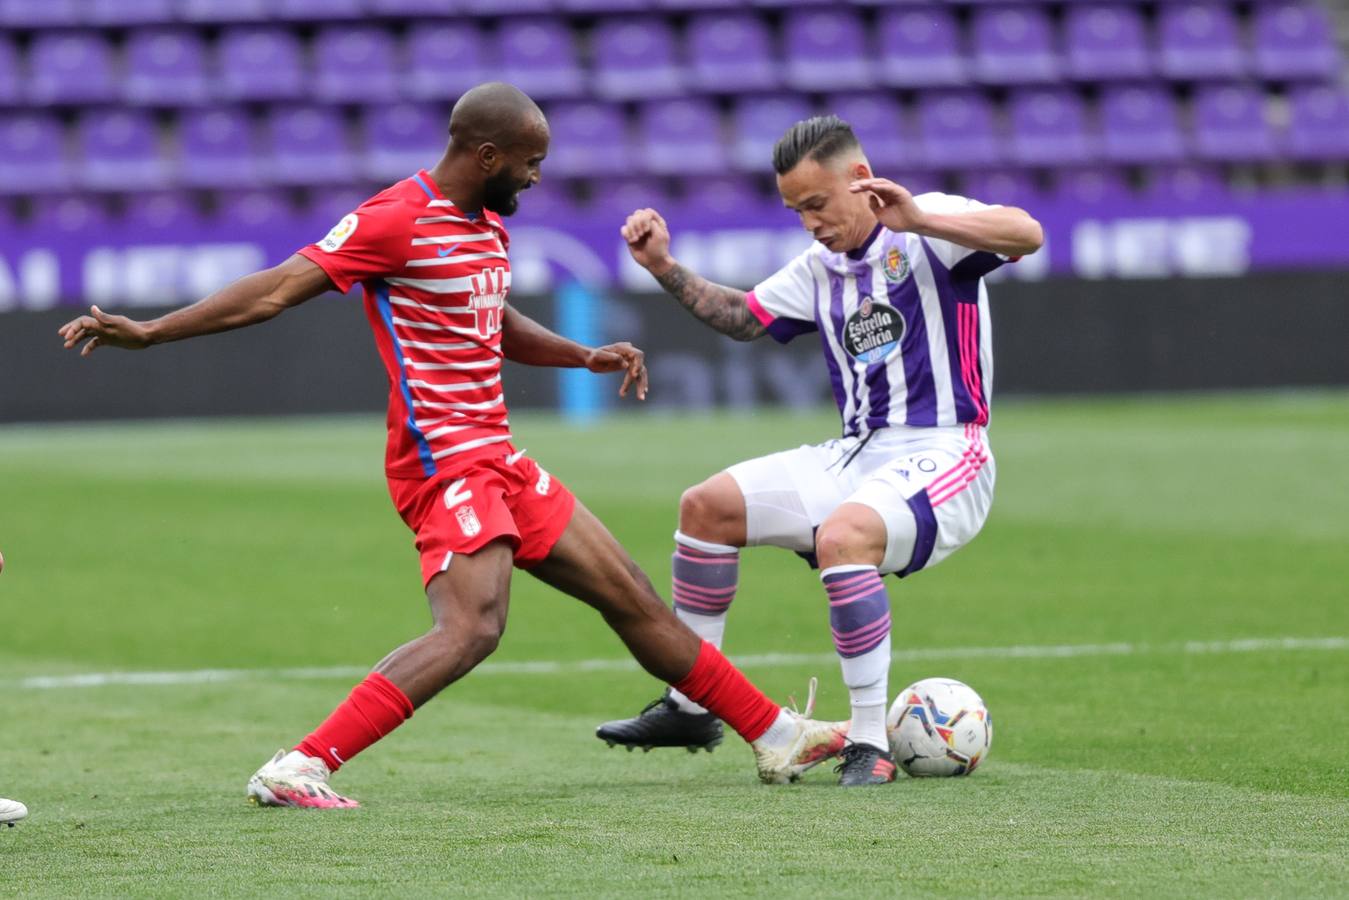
(287, 99)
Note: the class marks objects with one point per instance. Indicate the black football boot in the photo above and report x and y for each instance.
(865, 764)
(663, 724)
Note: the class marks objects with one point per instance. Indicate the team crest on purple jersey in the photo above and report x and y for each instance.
(873, 332)
(896, 265)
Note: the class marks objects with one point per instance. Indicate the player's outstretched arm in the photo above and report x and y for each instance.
(252, 299)
(721, 307)
(1007, 230)
(525, 341)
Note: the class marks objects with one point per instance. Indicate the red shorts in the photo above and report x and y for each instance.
(460, 509)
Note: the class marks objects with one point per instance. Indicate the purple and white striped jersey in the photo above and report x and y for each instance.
(903, 321)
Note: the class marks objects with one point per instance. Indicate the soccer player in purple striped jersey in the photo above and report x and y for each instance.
(893, 285)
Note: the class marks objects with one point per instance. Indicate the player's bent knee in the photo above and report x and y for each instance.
(852, 537)
(713, 511)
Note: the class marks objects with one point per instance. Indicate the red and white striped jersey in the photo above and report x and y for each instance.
(435, 282)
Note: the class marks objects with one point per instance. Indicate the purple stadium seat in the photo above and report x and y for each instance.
(1003, 187)
(218, 148)
(120, 151)
(355, 64)
(730, 49)
(825, 50)
(34, 150)
(402, 138)
(1199, 40)
(1230, 124)
(159, 210)
(223, 10)
(260, 64)
(699, 4)
(759, 123)
(497, 8)
(728, 198)
(602, 6)
(882, 127)
(70, 67)
(1049, 128)
(1014, 45)
(9, 72)
(588, 139)
(255, 208)
(47, 13)
(1092, 187)
(614, 199)
(309, 146)
(1294, 40)
(317, 10)
(165, 66)
(956, 129)
(1138, 125)
(1107, 42)
(130, 12)
(400, 8)
(443, 61)
(920, 47)
(1318, 125)
(634, 58)
(681, 137)
(330, 204)
(1185, 183)
(76, 214)
(539, 57)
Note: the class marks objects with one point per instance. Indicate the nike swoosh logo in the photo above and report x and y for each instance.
(446, 251)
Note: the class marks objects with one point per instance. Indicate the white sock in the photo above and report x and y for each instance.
(710, 629)
(867, 678)
(780, 732)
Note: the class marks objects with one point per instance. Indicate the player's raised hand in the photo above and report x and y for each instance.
(648, 239)
(892, 203)
(101, 330)
(621, 357)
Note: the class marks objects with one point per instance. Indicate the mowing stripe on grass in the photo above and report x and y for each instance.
(763, 660)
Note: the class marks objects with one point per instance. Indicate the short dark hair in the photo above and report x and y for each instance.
(819, 138)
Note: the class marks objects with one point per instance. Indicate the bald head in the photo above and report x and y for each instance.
(496, 113)
(498, 140)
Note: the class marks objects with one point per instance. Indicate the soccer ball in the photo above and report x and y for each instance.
(939, 727)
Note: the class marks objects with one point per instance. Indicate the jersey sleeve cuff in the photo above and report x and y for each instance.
(764, 317)
(329, 265)
(779, 328)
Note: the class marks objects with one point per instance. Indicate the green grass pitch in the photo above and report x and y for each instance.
(1123, 614)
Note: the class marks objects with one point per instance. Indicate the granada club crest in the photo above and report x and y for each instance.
(487, 299)
(873, 332)
(468, 521)
(896, 265)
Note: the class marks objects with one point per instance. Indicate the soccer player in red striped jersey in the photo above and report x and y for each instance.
(431, 255)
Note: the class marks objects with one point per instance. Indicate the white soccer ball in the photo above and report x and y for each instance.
(939, 727)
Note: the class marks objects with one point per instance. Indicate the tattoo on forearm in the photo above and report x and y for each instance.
(721, 307)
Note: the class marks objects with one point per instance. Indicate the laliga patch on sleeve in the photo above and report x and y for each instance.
(341, 231)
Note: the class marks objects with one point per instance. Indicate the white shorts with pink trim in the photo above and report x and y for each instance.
(932, 487)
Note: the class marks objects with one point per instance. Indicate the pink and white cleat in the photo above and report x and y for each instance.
(803, 743)
(293, 779)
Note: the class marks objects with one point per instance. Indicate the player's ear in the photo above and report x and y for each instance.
(488, 156)
(859, 170)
